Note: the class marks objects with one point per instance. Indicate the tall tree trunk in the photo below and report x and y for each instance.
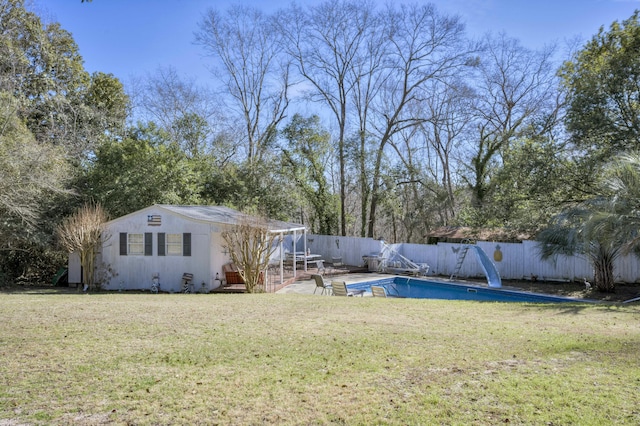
(364, 185)
(343, 191)
(603, 268)
(375, 189)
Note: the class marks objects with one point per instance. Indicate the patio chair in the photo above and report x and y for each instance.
(320, 283)
(232, 274)
(339, 288)
(320, 266)
(337, 266)
(378, 291)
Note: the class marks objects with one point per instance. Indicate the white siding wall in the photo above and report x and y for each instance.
(218, 258)
(136, 272)
(519, 260)
(74, 268)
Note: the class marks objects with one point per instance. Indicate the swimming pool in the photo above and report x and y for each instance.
(419, 288)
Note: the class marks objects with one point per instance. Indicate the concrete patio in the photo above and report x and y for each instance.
(306, 285)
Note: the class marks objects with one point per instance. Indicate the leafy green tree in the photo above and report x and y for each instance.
(109, 103)
(59, 101)
(42, 64)
(621, 188)
(603, 82)
(536, 179)
(31, 174)
(576, 232)
(29, 171)
(604, 227)
(53, 115)
(191, 131)
(305, 161)
(142, 170)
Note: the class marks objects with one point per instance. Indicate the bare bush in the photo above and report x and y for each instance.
(82, 233)
(250, 245)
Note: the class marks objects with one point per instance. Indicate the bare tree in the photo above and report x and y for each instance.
(368, 75)
(328, 45)
(250, 245)
(425, 46)
(181, 107)
(82, 233)
(449, 108)
(253, 71)
(516, 87)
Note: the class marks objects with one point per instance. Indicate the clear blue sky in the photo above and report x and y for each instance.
(134, 37)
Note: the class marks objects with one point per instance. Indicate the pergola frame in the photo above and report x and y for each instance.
(281, 233)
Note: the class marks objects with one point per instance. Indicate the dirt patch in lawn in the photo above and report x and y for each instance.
(623, 291)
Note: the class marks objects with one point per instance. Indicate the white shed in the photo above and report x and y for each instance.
(168, 241)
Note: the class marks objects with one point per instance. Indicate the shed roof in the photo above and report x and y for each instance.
(227, 216)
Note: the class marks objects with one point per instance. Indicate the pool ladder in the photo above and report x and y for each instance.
(461, 255)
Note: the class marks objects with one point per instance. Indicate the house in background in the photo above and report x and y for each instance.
(167, 241)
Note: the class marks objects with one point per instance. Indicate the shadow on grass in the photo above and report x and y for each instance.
(59, 291)
(578, 307)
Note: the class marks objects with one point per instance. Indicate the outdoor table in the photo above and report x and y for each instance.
(308, 257)
(300, 257)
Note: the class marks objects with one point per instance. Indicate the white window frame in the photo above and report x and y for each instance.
(173, 244)
(135, 244)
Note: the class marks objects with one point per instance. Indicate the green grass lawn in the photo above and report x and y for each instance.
(299, 360)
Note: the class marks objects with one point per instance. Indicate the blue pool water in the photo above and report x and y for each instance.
(418, 288)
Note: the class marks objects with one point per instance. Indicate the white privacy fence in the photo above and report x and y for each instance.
(512, 260)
